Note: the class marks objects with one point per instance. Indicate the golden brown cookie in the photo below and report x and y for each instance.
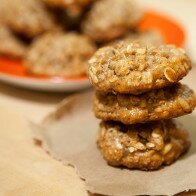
(109, 19)
(142, 146)
(166, 103)
(28, 17)
(60, 54)
(10, 46)
(135, 68)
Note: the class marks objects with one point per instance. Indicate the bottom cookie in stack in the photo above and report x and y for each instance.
(142, 146)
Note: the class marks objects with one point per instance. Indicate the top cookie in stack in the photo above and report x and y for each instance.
(132, 68)
(137, 92)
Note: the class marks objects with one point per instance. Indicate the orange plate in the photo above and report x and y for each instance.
(15, 68)
(171, 31)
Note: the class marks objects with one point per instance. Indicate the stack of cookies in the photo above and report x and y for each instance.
(137, 94)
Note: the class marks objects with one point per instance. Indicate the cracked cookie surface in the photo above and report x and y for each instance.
(135, 68)
(146, 146)
(166, 103)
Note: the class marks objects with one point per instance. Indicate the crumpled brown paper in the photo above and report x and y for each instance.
(69, 134)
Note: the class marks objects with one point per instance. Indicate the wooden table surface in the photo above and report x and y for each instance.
(25, 169)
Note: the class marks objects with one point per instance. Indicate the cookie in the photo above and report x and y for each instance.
(166, 103)
(10, 45)
(28, 17)
(110, 19)
(134, 68)
(142, 146)
(59, 54)
(145, 37)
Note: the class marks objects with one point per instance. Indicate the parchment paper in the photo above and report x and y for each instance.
(69, 134)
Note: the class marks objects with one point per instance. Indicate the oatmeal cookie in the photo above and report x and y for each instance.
(142, 146)
(160, 104)
(109, 19)
(145, 37)
(59, 54)
(10, 45)
(135, 68)
(28, 17)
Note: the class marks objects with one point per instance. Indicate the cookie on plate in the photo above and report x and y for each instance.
(10, 45)
(60, 54)
(135, 68)
(146, 146)
(110, 19)
(166, 103)
(28, 17)
(145, 37)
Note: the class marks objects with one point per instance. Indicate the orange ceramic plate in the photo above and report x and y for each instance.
(16, 68)
(13, 71)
